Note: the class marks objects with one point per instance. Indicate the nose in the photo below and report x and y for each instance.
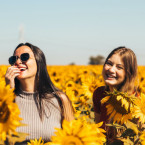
(112, 69)
(18, 61)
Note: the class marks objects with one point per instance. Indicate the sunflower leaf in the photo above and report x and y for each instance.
(127, 141)
(132, 126)
(20, 137)
(128, 132)
(117, 126)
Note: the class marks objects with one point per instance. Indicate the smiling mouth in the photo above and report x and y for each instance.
(22, 69)
(111, 76)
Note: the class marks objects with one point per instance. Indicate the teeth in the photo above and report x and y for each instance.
(110, 76)
(22, 68)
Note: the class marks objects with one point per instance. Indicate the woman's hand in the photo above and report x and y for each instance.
(11, 74)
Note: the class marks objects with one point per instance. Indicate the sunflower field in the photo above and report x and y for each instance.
(79, 83)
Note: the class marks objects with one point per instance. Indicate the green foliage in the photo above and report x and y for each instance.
(98, 60)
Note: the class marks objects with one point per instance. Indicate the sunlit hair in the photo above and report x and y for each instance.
(44, 84)
(130, 66)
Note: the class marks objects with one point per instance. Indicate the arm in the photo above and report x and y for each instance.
(97, 104)
(67, 107)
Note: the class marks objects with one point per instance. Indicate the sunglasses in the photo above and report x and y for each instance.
(24, 57)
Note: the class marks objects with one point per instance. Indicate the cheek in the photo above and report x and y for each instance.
(35, 68)
(122, 74)
(103, 71)
(105, 68)
(32, 66)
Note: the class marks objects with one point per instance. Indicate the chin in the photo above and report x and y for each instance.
(20, 77)
(108, 83)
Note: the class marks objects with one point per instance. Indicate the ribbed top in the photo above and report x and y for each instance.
(30, 115)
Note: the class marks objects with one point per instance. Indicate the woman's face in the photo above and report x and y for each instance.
(114, 72)
(29, 68)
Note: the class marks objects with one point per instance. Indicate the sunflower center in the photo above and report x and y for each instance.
(72, 140)
(57, 80)
(117, 106)
(85, 72)
(4, 112)
(54, 74)
(75, 92)
(69, 85)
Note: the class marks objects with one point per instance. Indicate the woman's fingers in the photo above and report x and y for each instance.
(13, 72)
(12, 69)
(10, 75)
(12, 82)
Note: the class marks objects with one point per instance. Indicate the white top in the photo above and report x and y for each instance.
(30, 115)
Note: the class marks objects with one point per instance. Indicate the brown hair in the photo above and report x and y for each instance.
(130, 65)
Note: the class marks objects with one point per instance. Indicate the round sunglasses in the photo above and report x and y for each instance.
(23, 57)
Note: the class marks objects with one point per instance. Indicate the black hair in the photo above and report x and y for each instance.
(44, 84)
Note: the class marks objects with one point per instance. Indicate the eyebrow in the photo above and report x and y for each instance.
(121, 64)
(112, 62)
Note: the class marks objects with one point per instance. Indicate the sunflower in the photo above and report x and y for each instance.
(70, 85)
(3, 69)
(84, 105)
(72, 94)
(79, 132)
(142, 138)
(74, 99)
(119, 106)
(97, 70)
(36, 142)
(141, 86)
(139, 108)
(89, 85)
(9, 112)
(84, 71)
(57, 81)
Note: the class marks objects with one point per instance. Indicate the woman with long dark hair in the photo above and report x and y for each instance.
(43, 107)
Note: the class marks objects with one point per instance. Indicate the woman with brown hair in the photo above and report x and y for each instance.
(43, 107)
(119, 72)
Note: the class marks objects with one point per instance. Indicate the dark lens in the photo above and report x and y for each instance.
(24, 56)
(12, 60)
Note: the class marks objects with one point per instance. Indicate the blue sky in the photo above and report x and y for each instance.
(72, 31)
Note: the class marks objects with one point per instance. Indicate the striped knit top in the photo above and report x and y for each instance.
(30, 115)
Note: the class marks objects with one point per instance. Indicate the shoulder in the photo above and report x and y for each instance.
(67, 106)
(99, 90)
(51, 100)
(62, 96)
(99, 93)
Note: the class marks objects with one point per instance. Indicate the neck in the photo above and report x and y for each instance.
(28, 85)
(111, 88)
